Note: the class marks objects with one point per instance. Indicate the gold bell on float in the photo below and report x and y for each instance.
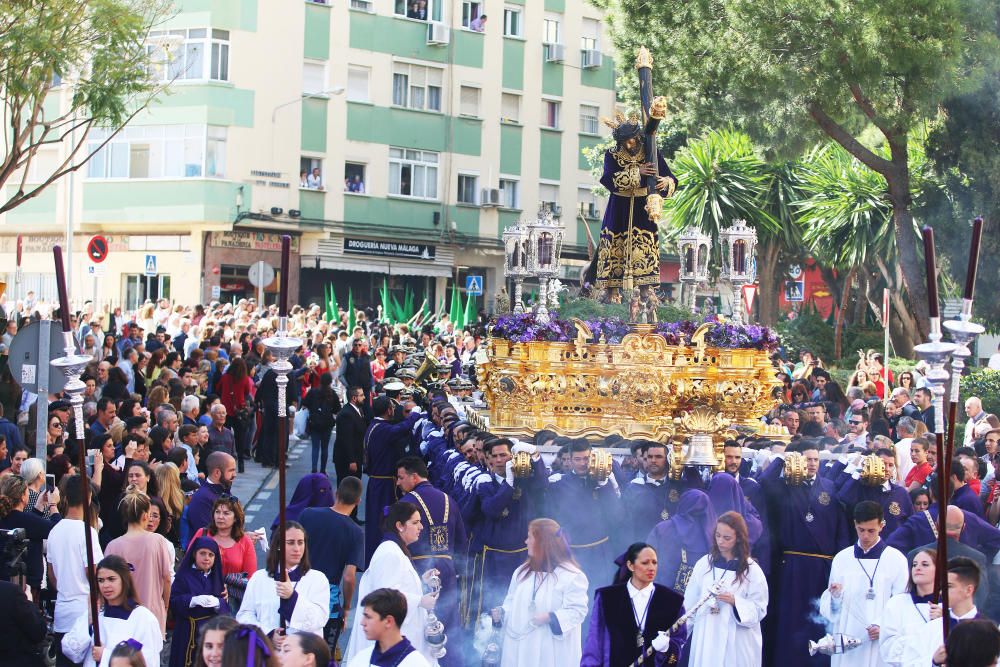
(599, 467)
(522, 464)
(795, 469)
(873, 472)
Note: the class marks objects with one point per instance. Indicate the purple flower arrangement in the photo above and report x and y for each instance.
(524, 328)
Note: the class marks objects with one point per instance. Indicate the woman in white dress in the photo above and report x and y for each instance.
(299, 603)
(727, 630)
(390, 567)
(906, 615)
(546, 603)
(121, 618)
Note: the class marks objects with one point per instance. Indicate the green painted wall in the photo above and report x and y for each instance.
(317, 32)
(551, 155)
(586, 141)
(555, 5)
(510, 149)
(466, 218)
(393, 212)
(513, 64)
(40, 210)
(209, 103)
(581, 233)
(222, 14)
(408, 39)
(314, 124)
(507, 219)
(413, 129)
(161, 201)
(312, 203)
(601, 77)
(552, 79)
(468, 47)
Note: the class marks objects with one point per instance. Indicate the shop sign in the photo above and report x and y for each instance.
(389, 249)
(240, 240)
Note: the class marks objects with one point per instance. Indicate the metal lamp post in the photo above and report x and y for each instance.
(515, 241)
(545, 236)
(739, 243)
(694, 247)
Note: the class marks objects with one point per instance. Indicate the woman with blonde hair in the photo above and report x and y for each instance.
(158, 395)
(546, 602)
(168, 481)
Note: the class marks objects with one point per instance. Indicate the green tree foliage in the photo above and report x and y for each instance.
(94, 47)
(794, 71)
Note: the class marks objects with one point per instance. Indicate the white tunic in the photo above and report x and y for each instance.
(721, 638)
(390, 568)
(919, 651)
(853, 612)
(141, 626)
(562, 592)
(903, 622)
(364, 659)
(312, 608)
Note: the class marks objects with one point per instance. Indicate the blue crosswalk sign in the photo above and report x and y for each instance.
(474, 285)
(150, 266)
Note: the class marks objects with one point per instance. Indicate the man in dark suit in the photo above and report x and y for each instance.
(349, 448)
(22, 628)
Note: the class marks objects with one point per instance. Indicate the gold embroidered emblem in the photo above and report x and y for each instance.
(438, 538)
(894, 509)
(824, 498)
(505, 513)
(664, 515)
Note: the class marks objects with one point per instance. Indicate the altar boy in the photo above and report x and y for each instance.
(862, 579)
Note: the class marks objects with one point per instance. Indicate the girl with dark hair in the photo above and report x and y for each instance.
(238, 553)
(323, 405)
(546, 602)
(299, 602)
(727, 630)
(906, 615)
(197, 595)
(305, 650)
(211, 640)
(634, 614)
(121, 618)
(390, 567)
(127, 654)
(247, 646)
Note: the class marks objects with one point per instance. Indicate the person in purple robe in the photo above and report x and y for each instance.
(918, 530)
(962, 494)
(385, 442)
(313, 490)
(441, 546)
(810, 528)
(683, 539)
(727, 496)
(894, 499)
(647, 495)
(738, 467)
(197, 595)
(634, 616)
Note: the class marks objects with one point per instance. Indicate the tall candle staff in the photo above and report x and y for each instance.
(71, 365)
(936, 353)
(282, 346)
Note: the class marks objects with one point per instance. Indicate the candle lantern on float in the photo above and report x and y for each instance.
(515, 241)
(545, 235)
(739, 243)
(694, 248)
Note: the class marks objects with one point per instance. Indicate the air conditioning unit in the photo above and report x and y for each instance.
(588, 209)
(490, 197)
(553, 207)
(591, 58)
(438, 34)
(555, 53)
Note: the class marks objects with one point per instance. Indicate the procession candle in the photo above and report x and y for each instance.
(929, 262)
(970, 276)
(286, 246)
(61, 286)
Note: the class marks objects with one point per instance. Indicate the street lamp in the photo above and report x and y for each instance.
(336, 90)
(515, 240)
(545, 236)
(694, 247)
(739, 242)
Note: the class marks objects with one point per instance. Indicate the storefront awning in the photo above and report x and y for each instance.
(332, 257)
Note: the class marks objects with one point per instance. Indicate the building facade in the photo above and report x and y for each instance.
(393, 140)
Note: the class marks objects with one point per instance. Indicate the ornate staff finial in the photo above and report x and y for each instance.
(643, 58)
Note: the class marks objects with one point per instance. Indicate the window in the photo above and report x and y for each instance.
(470, 12)
(357, 83)
(354, 178)
(416, 87)
(468, 189)
(512, 22)
(550, 114)
(469, 97)
(421, 10)
(510, 196)
(548, 196)
(590, 34)
(363, 5)
(181, 54)
(413, 173)
(589, 119)
(313, 78)
(311, 174)
(510, 107)
(550, 31)
(587, 201)
(159, 151)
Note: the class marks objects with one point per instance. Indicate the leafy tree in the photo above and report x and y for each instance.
(793, 72)
(96, 49)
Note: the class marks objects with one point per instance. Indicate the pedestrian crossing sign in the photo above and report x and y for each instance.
(474, 285)
(150, 271)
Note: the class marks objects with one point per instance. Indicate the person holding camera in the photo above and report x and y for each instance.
(22, 628)
(14, 514)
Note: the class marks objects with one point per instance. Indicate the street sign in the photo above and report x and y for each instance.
(150, 271)
(749, 292)
(24, 360)
(261, 274)
(795, 290)
(97, 250)
(216, 292)
(96, 270)
(474, 285)
(794, 271)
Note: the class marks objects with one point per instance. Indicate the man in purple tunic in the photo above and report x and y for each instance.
(918, 530)
(894, 499)
(811, 528)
